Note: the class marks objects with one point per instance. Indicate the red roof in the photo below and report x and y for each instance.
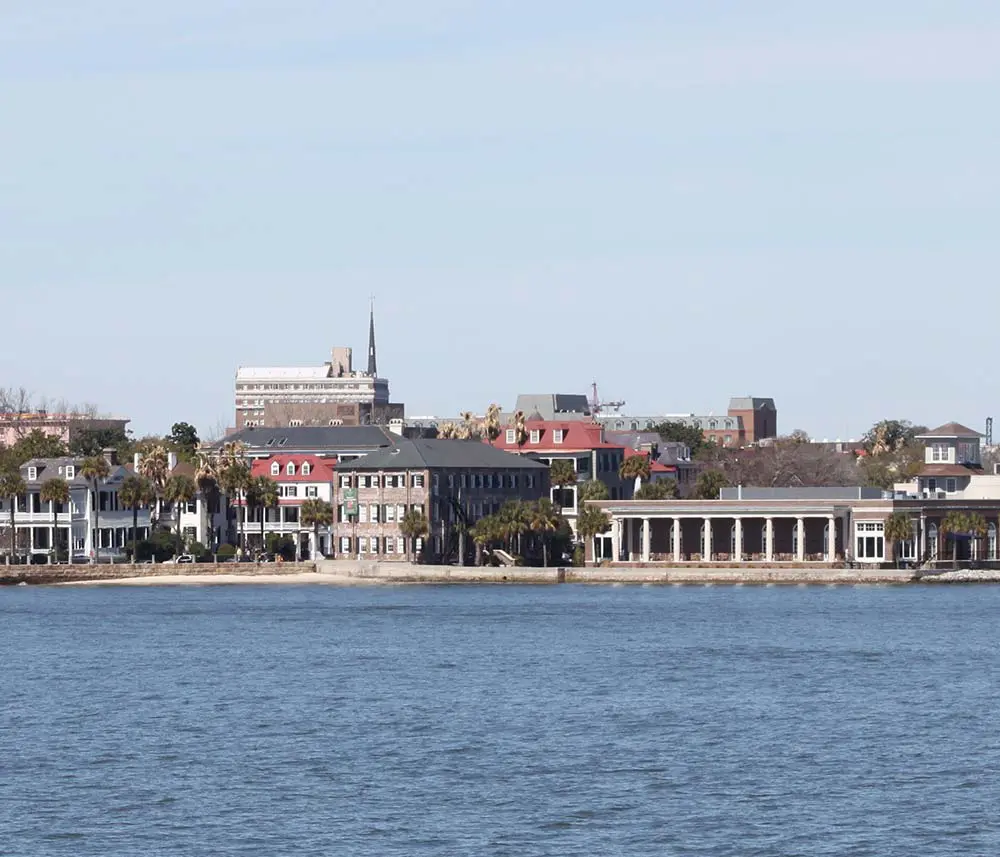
(654, 466)
(578, 436)
(320, 469)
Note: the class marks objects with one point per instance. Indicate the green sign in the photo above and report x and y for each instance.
(350, 502)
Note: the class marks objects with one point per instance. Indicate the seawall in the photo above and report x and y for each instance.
(106, 571)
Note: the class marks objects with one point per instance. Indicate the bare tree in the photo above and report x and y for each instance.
(785, 463)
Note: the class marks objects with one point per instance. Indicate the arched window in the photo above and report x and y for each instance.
(713, 424)
(635, 425)
(290, 468)
(275, 468)
(306, 468)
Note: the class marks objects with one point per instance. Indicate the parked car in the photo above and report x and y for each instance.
(178, 560)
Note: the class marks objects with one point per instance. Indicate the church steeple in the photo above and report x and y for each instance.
(372, 364)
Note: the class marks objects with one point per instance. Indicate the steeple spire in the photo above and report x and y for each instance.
(372, 364)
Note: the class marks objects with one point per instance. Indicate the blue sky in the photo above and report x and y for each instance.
(682, 201)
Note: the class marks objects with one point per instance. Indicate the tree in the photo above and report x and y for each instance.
(561, 475)
(11, 487)
(663, 489)
(413, 526)
(634, 467)
(520, 430)
(470, 428)
(184, 438)
(591, 522)
(592, 489)
(954, 523)
(485, 533)
(491, 423)
(544, 520)
(678, 432)
(977, 526)
(708, 484)
(233, 475)
(898, 528)
(179, 490)
(93, 441)
(889, 436)
(783, 463)
(515, 519)
(799, 436)
(154, 466)
(314, 513)
(447, 431)
(36, 444)
(206, 477)
(262, 494)
(135, 491)
(94, 470)
(56, 492)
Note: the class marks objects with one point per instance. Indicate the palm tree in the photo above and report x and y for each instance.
(447, 431)
(154, 466)
(315, 512)
(591, 522)
(413, 526)
(977, 527)
(262, 494)
(470, 429)
(234, 476)
(491, 423)
(12, 486)
(709, 484)
(485, 532)
(545, 519)
(663, 489)
(562, 474)
(206, 477)
(635, 467)
(953, 523)
(56, 492)
(94, 470)
(520, 429)
(180, 490)
(136, 491)
(592, 489)
(898, 528)
(515, 518)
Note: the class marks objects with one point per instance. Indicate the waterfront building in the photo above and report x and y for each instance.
(343, 443)
(453, 482)
(64, 427)
(819, 525)
(298, 478)
(332, 394)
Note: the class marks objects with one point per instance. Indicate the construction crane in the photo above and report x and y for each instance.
(597, 406)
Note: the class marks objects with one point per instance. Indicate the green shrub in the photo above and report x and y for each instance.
(579, 556)
(226, 551)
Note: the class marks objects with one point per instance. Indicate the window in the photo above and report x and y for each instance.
(312, 491)
(451, 480)
(291, 491)
(511, 438)
(390, 514)
(417, 480)
(932, 484)
(345, 544)
(70, 471)
(374, 513)
(290, 468)
(306, 468)
(294, 423)
(390, 544)
(939, 452)
(489, 480)
(362, 513)
(291, 514)
(366, 482)
(557, 435)
(345, 481)
(535, 435)
(275, 468)
(32, 474)
(437, 483)
(949, 485)
(478, 480)
(363, 544)
(463, 481)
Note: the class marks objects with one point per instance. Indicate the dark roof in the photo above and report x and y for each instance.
(436, 454)
(313, 438)
(951, 430)
(48, 468)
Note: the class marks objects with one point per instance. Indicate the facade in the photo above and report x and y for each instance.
(299, 478)
(333, 394)
(449, 480)
(343, 443)
(582, 443)
(202, 520)
(820, 525)
(668, 459)
(747, 421)
(64, 427)
(43, 529)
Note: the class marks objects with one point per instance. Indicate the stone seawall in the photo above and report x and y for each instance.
(118, 571)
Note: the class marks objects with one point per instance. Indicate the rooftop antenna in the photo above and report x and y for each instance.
(989, 431)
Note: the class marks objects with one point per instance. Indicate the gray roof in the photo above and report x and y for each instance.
(633, 439)
(331, 438)
(553, 405)
(51, 468)
(837, 492)
(424, 453)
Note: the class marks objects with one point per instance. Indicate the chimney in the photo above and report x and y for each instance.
(396, 426)
(171, 460)
(110, 455)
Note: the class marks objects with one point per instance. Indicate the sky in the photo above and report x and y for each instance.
(680, 201)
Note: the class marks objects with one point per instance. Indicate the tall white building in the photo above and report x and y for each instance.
(329, 395)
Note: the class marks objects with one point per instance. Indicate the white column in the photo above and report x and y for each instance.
(629, 539)
(616, 540)
(706, 553)
(769, 539)
(675, 528)
(831, 539)
(923, 537)
(800, 547)
(738, 528)
(646, 527)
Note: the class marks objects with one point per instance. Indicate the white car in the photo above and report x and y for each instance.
(183, 558)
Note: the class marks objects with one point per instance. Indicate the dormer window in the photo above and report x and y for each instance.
(32, 474)
(306, 468)
(511, 437)
(557, 435)
(275, 468)
(290, 468)
(939, 452)
(71, 471)
(535, 435)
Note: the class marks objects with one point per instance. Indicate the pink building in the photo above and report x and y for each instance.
(66, 427)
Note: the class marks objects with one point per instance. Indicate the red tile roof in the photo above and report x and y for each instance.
(321, 469)
(578, 436)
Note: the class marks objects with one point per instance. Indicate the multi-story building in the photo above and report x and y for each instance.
(339, 443)
(748, 420)
(583, 444)
(449, 480)
(45, 529)
(298, 478)
(64, 427)
(333, 394)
